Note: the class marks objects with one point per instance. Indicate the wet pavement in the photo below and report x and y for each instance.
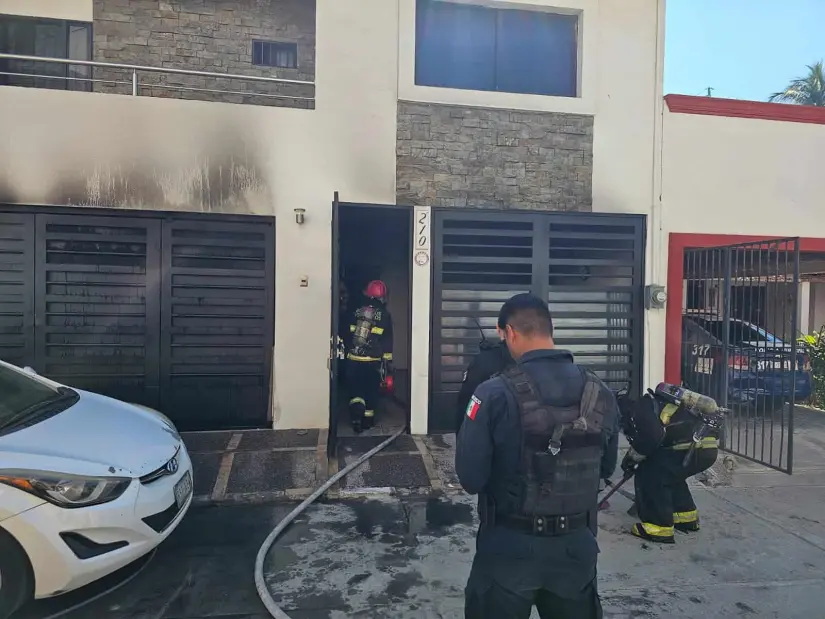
(761, 554)
(406, 559)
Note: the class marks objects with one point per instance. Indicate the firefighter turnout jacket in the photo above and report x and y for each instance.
(651, 424)
(371, 333)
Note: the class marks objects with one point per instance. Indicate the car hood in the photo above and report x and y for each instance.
(95, 436)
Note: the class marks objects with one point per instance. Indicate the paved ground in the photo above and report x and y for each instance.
(761, 553)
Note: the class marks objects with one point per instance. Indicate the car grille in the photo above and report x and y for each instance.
(160, 472)
(163, 519)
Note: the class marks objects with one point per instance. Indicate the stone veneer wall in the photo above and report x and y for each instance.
(204, 35)
(481, 157)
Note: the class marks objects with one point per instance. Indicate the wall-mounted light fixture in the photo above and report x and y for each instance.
(299, 215)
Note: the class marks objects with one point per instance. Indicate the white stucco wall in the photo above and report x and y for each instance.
(741, 176)
(74, 10)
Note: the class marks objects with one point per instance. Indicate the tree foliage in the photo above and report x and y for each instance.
(807, 90)
(814, 344)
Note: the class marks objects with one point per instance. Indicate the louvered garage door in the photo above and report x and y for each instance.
(596, 287)
(176, 313)
(96, 289)
(16, 288)
(217, 334)
(590, 268)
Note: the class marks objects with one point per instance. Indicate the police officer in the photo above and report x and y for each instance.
(535, 442)
(491, 359)
(664, 454)
(370, 347)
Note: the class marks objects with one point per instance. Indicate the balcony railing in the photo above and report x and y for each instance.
(132, 79)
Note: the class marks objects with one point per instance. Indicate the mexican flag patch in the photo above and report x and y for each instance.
(472, 407)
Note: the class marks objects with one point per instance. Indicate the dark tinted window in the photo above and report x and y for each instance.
(46, 38)
(478, 48)
(19, 392)
(275, 54)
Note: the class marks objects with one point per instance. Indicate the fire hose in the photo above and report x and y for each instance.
(260, 581)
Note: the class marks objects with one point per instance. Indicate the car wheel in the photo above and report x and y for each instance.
(16, 580)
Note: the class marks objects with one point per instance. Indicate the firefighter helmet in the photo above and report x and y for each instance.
(376, 289)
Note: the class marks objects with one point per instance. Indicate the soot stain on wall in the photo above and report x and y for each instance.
(227, 177)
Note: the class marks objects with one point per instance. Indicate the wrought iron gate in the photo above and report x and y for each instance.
(590, 268)
(739, 343)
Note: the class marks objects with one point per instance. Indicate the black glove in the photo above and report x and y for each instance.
(631, 461)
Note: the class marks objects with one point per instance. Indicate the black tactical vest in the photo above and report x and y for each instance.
(561, 449)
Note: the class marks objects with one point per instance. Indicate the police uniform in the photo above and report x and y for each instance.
(370, 347)
(663, 434)
(535, 443)
(491, 359)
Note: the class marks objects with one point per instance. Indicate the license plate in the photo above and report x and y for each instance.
(183, 489)
(774, 365)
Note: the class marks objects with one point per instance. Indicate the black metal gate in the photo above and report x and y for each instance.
(739, 343)
(176, 313)
(590, 267)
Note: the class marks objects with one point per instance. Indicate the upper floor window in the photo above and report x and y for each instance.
(49, 38)
(472, 47)
(275, 54)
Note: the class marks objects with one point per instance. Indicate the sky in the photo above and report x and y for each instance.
(743, 49)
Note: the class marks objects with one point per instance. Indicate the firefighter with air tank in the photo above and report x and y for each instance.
(674, 435)
(369, 355)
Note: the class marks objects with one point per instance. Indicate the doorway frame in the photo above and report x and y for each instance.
(333, 411)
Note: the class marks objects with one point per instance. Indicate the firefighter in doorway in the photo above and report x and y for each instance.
(369, 353)
(673, 435)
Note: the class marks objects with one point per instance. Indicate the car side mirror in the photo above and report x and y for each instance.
(29, 370)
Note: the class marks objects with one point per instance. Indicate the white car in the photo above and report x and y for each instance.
(88, 485)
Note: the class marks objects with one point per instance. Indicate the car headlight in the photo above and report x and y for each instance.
(67, 490)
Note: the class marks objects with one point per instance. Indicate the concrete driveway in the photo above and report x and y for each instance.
(761, 553)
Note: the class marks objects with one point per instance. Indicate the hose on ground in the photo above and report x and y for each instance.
(260, 583)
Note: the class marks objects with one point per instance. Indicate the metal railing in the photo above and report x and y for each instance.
(136, 70)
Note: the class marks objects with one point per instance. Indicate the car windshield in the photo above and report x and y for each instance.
(19, 393)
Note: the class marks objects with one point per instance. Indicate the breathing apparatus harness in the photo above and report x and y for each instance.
(703, 408)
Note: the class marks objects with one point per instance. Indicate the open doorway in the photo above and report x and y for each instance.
(373, 243)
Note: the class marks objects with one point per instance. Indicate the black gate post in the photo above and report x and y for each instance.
(794, 353)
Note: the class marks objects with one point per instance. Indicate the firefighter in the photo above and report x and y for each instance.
(370, 353)
(491, 360)
(534, 445)
(671, 440)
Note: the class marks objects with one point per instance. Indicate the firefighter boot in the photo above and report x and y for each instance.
(686, 522)
(653, 533)
(357, 411)
(369, 419)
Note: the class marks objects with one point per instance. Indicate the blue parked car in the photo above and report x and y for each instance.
(759, 369)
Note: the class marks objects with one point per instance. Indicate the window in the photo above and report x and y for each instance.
(20, 394)
(49, 38)
(275, 54)
(506, 50)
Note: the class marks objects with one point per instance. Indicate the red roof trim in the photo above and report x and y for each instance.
(732, 108)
